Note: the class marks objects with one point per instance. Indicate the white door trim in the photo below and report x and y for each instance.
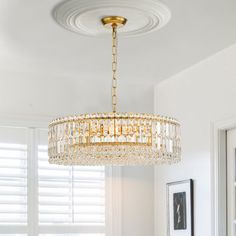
(218, 175)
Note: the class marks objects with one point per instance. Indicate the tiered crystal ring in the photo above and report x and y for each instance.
(114, 139)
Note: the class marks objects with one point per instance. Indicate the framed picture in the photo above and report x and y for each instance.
(180, 208)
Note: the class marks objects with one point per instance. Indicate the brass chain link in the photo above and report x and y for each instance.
(114, 67)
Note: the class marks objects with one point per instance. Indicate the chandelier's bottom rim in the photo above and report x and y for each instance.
(111, 162)
(111, 156)
(114, 155)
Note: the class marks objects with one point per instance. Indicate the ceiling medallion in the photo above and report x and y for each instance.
(83, 16)
(114, 138)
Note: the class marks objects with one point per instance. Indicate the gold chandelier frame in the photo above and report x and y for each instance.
(114, 138)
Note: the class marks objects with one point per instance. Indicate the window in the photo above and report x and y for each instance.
(39, 199)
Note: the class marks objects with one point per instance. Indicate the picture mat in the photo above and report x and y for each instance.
(175, 188)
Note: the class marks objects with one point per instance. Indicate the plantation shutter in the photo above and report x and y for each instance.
(69, 195)
(13, 176)
(40, 199)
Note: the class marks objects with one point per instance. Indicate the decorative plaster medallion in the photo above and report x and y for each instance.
(84, 16)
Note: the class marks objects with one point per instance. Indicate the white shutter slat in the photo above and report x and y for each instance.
(13, 154)
(58, 178)
(60, 194)
(10, 193)
(62, 212)
(26, 235)
(53, 203)
(14, 168)
(13, 176)
(13, 183)
(44, 166)
(14, 212)
(8, 219)
(74, 234)
(81, 184)
(62, 203)
(15, 201)
(9, 146)
(21, 235)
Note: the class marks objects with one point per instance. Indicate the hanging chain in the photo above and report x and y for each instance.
(114, 67)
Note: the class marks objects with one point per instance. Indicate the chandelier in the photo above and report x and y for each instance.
(114, 138)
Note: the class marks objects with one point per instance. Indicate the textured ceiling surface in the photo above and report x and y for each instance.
(46, 70)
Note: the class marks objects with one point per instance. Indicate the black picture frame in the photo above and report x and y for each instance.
(180, 208)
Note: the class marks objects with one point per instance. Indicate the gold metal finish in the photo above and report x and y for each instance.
(114, 20)
(112, 116)
(114, 67)
(112, 144)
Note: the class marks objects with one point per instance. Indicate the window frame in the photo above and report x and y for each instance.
(113, 188)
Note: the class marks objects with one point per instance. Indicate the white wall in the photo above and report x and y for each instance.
(138, 201)
(198, 96)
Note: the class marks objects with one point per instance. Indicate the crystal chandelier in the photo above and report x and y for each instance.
(114, 138)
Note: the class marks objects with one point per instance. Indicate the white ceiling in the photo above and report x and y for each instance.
(46, 70)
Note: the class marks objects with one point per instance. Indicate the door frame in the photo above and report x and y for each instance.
(219, 175)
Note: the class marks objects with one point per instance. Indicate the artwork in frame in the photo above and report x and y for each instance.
(180, 208)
